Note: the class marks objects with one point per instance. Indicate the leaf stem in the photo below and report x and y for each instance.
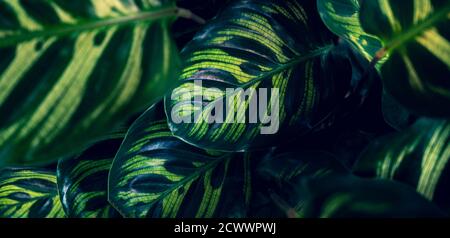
(185, 13)
(412, 33)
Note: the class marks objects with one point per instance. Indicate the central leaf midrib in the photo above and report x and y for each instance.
(418, 29)
(62, 30)
(189, 178)
(289, 64)
(267, 75)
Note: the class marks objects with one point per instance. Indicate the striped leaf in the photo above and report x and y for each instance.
(155, 174)
(83, 181)
(416, 37)
(256, 46)
(29, 193)
(352, 197)
(418, 157)
(279, 175)
(342, 18)
(71, 70)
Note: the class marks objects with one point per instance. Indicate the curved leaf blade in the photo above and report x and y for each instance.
(155, 174)
(83, 181)
(418, 157)
(342, 18)
(71, 71)
(416, 37)
(29, 193)
(256, 46)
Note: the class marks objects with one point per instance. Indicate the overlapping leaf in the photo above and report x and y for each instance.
(29, 193)
(416, 36)
(71, 70)
(83, 181)
(352, 197)
(418, 157)
(276, 192)
(157, 175)
(253, 46)
(342, 18)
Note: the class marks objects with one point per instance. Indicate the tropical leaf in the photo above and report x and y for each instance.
(70, 71)
(418, 157)
(155, 174)
(256, 46)
(349, 196)
(29, 193)
(83, 181)
(416, 37)
(342, 18)
(275, 192)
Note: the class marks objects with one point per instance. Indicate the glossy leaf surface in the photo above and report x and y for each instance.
(29, 193)
(252, 48)
(83, 181)
(157, 175)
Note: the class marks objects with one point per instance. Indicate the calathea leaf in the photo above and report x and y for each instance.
(349, 196)
(71, 70)
(275, 192)
(416, 37)
(155, 174)
(342, 18)
(83, 181)
(418, 157)
(258, 72)
(29, 193)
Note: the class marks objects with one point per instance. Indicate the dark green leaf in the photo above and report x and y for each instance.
(83, 181)
(342, 18)
(276, 194)
(70, 71)
(352, 197)
(416, 37)
(29, 193)
(254, 45)
(418, 156)
(157, 175)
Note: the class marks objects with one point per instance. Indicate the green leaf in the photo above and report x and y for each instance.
(70, 71)
(29, 193)
(257, 45)
(418, 157)
(83, 181)
(279, 174)
(155, 174)
(416, 37)
(342, 18)
(352, 197)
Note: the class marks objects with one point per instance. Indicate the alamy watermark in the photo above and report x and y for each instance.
(210, 105)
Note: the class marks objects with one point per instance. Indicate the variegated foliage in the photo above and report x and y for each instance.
(70, 71)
